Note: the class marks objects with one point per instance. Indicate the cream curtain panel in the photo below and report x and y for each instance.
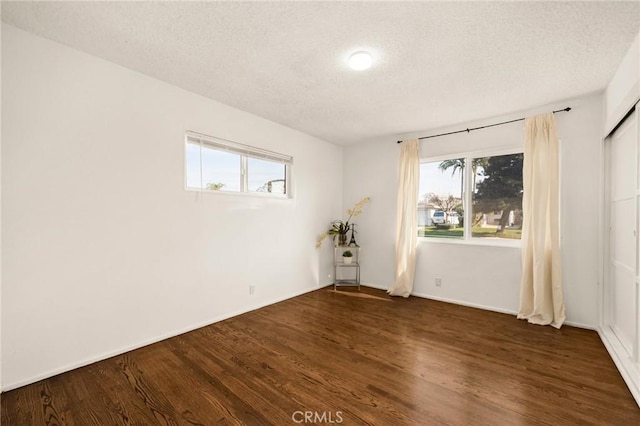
(541, 300)
(407, 212)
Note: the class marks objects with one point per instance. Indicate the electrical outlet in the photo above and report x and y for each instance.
(438, 282)
(252, 289)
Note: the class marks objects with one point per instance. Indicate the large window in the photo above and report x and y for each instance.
(214, 164)
(494, 197)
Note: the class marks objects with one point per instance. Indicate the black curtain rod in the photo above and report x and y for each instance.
(567, 109)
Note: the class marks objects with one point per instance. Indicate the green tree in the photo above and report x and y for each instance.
(215, 186)
(501, 188)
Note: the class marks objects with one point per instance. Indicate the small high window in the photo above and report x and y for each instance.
(214, 164)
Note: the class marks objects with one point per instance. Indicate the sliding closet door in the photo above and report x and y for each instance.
(624, 185)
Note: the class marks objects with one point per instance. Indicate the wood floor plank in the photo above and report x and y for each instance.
(362, 357)
(112, 395)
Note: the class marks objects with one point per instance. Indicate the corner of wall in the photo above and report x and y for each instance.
(623, 91)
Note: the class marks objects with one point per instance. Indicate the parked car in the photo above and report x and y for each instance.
(439, 217)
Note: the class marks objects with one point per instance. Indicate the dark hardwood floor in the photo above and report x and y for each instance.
(344, 358)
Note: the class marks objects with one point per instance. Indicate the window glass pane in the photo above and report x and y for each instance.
(266, 176)
(193, 165)
(440, 205)
(497, 196)
(220, 170)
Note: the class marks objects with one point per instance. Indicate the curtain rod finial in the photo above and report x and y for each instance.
(399, 141)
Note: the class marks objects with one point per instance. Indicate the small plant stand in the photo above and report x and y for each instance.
(339, 265)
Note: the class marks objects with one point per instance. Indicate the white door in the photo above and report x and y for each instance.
(621, 297)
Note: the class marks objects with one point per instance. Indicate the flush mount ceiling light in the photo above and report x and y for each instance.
(360, 61)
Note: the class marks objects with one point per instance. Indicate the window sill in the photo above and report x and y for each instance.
(486, 242)
(266, 195)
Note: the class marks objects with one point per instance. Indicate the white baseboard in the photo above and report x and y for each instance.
(447, 300)
(581, 325)
(629, 370)
(478, 306)
(120, 351)
(465, 303)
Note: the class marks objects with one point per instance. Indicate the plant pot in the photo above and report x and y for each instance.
(347, 260)
(342, 239)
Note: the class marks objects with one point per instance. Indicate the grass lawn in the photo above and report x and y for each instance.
(477, 232)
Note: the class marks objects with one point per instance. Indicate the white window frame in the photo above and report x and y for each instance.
(244, 151)
(467, 239)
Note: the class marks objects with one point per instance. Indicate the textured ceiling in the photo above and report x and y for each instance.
(436, 63)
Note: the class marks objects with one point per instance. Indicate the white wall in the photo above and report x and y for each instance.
(487, 276)
(623, 91)
(104, 250)
(1, 24)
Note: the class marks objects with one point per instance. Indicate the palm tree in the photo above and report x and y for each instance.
(456, 164)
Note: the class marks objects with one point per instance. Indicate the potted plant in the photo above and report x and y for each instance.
(347, 256)
(340, 229)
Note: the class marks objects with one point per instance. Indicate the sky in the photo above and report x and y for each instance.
(224, 167)
(443, 183)
(432, 179)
